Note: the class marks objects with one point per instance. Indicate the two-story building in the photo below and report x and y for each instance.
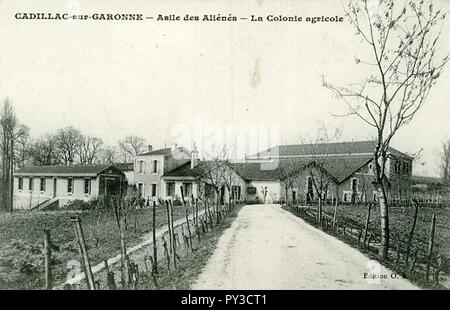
(151, 165)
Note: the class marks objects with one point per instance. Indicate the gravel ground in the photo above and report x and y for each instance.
(269, 248)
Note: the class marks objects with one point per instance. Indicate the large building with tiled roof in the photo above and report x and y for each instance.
(264, 176)
(40, 186)
(349, 166)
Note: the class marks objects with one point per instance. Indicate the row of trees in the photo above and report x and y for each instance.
(69, 145)
(64, 146)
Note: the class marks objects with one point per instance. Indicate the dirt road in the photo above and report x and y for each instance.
(269, 248)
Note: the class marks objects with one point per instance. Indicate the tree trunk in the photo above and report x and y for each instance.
(11, 179)
(155, 249)
(384, 222)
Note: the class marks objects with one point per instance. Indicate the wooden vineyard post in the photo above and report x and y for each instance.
(123, 250)
(166, 254)
(413, 264)
(366, 227)
(187, 219)
(411, 234)
(47, 260)
(83, 252)
(437, 270)
(430, 247)
(110, 281)
(319, 211)
(169, 226)
(155, 245)
(397, 257)
(174, 246)
(118, 211)
(335, 212)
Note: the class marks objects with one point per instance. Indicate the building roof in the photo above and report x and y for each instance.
(339, 168)
(185, 171)
(124, 166)
(164, 152)
(88, 170)
(418, 179)
(256, 171)
(354, 148)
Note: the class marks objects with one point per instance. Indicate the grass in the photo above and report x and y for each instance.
(191, 265)
(400, 219)
(21, 241)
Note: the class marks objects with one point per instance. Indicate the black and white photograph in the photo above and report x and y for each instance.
(228, 146)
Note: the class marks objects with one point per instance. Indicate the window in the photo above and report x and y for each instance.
(370, 167)
(406, 168)
(141, 166)
(187, 189)
(87, 186)
(30, 184)
(140, 189)
(69, 186)
(354, 185)
(155, 166)
(153, 190)
(251, 190)
(20, 184)
(170, 189)
(236, 192)
(42, 185)
(397, 167)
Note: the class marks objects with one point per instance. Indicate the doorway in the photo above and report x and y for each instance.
(55, 187)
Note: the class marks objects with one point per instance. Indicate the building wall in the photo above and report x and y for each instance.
(148, 177)
(26, 199)
(179, 181)
(366, 191)
(400, 178)
(273, 191)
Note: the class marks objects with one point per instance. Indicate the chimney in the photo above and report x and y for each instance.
(149, 148)
(194, 157)
(175, 147)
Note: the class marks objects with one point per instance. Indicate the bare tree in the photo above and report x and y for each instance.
(318, 162)
(23, 148)
(109, 155)
(130, 147)
(212, 175)
(11, 133)
(68, 143)
(402, 40)
(288, 171)
(89, 150)
(444, 164)
(43, 151)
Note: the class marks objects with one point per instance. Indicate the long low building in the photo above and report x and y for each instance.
(37, 186)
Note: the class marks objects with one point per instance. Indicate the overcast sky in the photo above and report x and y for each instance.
(151, 78)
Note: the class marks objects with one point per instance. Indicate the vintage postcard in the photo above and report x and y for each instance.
(224, 145)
